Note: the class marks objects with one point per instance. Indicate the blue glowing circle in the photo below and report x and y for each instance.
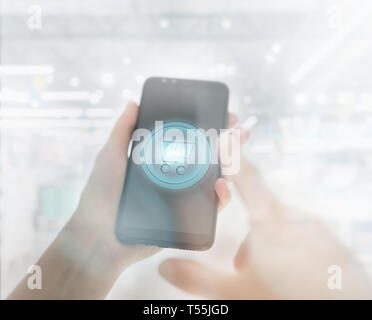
(177, 143)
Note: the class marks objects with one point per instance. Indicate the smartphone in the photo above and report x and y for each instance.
(172, 202)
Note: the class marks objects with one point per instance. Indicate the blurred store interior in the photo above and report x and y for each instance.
(302, 68)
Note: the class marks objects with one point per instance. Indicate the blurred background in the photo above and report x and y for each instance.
(68, 68)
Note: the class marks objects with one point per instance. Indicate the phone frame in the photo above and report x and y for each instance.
(160, 238)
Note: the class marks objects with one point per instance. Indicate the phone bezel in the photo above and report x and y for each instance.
(160, 238)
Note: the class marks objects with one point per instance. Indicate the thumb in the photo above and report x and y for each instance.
(123, 129)
(255, 193)
(105, 183)
(196, 279)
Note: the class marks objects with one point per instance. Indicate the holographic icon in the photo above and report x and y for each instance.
(182, 165)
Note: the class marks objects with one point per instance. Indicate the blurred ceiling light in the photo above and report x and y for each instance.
(247, 100)
(344, 97)
(324, 51)
(270, 58)
(96, 96)
(322, 98)
(247, 123)
(41, 113)
(300, 99)
(276, 48)
(340, 176)
(250, 122)
(107, 79)
(55, 123)
(366, 97)
(335, 17)
(99, 112)
(126, 60)
(56, 113)
(74, 82)
(24, 97)
(65, 95)
(230, 70)
(49, 79)
(164, 23)
(15, 70)
(226, 24)
(140, 79)
(34, 103)
(126, 94)
(9, 95)
(220, 68)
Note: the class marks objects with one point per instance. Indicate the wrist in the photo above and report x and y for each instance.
(88, 268)
(83, 241)
(73, 267)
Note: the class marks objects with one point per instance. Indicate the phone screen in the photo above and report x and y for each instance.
(172, 203)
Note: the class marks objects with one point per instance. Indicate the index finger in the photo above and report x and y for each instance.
(254, 192)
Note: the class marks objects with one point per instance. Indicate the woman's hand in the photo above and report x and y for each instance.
(286, 255)
(86, 258)
(96, 214)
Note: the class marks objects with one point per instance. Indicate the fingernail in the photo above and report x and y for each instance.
(132, 104)
(221, 180)
(244, 133)
(250, 123)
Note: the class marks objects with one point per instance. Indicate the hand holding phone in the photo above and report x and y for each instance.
(168, 198)
(87, 245)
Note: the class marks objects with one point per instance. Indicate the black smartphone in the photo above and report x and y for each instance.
(171, 202)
